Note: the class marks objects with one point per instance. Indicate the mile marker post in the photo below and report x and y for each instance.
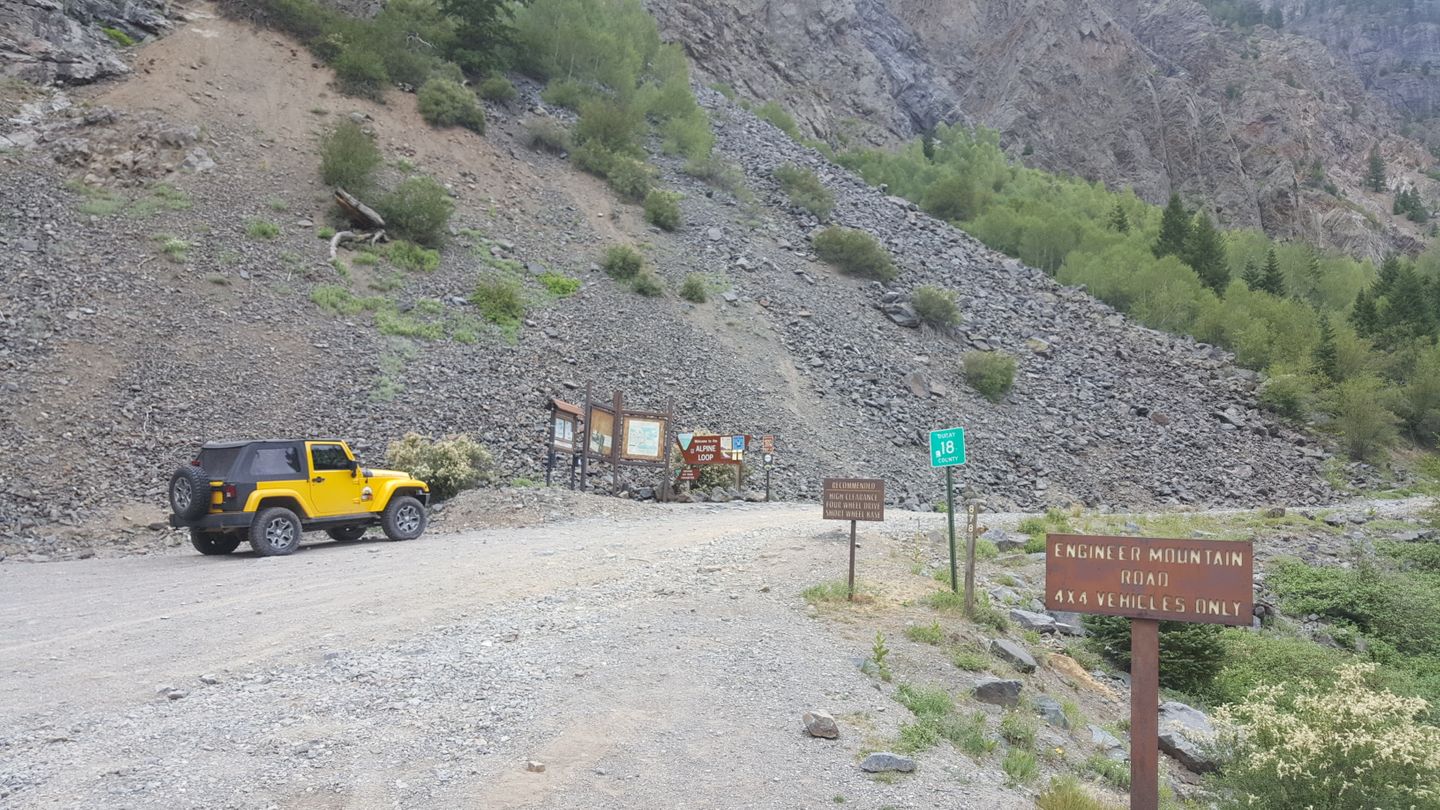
(947, 449)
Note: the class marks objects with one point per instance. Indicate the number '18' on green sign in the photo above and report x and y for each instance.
(947, 447)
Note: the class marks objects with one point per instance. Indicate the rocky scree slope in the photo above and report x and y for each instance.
(65, 41)
(1157, 96)
(117, 362)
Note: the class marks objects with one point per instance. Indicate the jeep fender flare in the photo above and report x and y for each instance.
(266, 498)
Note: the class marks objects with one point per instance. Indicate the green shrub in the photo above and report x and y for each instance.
(119, 37)
(930, 633)
(360, 72)
(498, 89)
(1342, 743)
(990, 373)
(1265, 658)
(566, 93)
(630, 178)
(1191, 655)
(648, 285)
(348, 158)
(622, 263)
(694, 289)
(1066, 793)
(261, 229)
(1289, 395)
(340, 301)
(805, 190)
(449, 465)
(617, 127)
(445, 103)
(410, 256)
(772, 111)
(1019, 728)
(921, 735)
(935, 307)
(718, 173)
(500, 300)
(548, 134)
(854, 252)
(970, 657)
(662, 209)
(1396, 608)
(1116, 773)
(688, 135)
(967, 733)
(1367, 426)
(1020, 766)
(559, 284)
(391, 322)
(418, 209)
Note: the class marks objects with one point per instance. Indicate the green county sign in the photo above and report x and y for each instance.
(947, 447)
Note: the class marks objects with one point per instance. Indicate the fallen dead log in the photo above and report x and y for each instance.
(358, 212)
(352, 236)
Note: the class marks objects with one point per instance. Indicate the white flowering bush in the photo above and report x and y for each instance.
(448, 465)
(1346, 746)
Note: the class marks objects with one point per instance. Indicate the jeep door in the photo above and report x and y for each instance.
(333, 489)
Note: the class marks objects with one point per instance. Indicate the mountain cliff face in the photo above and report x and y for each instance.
(1160, 96)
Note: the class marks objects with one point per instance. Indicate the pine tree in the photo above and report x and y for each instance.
(1389, 271)
(1312, 277)
(927, 144)
(1251, 275)
(482, 32)
(1118, 221)
(1174, 229)
(1407, 310)
(1205, 253)
(1376, 177)
(1364, 316)
(1326, 356)
(1275, 18)
(1272, 279)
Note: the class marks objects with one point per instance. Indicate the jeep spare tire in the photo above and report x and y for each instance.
(190, 492)
(404, 518)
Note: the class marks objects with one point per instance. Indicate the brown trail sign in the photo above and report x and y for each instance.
(852, 499)
(1149, 580)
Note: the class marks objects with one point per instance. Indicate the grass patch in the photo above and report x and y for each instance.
(831, 592)
(412, 257)
(339, 301)
(277, 205)
(805, 190)
(176, 250)
(261, 229)
(1020, 766)
(559, 284)
(855, 253)
(1019, 728)
(500, 301)
(930, 633)
(119, 37)
(925, 701)
(394, 324)
(970, 657)
(1115, 773)
(1066, 793)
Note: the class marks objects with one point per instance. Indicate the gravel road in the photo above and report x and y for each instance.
(662, 661)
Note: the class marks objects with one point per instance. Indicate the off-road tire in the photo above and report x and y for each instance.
(404, 518)
(190, 492)
(270, 535)
(210, 543)
(347, 533)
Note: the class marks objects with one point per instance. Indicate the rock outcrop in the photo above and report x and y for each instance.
(65, 41)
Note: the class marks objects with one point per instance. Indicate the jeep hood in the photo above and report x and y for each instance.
(374, 473)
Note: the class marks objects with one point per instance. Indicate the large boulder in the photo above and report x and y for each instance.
(1186, 734)
(1039, 622)
(820, 724)
(998, 691)
(882, 761)
(1013, 654)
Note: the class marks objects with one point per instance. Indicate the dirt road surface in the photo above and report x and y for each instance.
(655, 662)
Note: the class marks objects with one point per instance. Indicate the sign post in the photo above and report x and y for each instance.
(853, 499)
(1149, 580)
(947, 449)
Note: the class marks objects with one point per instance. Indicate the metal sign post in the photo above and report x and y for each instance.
(1149, 580)
(947, 449)
(769, 459)
(852, 499)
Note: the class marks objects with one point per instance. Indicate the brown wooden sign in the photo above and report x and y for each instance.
(853, 499)
(1207, 581)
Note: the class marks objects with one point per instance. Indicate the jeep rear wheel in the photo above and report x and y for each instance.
(275, 531)
(213, 542)
(190, 492)
(347, 533)
(404, 518)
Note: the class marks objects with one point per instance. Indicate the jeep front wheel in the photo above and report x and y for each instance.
(213, 542)
(347, 533)
(190, 492)
(404, 518)
(275, 531)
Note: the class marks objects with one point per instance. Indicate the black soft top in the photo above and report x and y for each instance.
(231, 444)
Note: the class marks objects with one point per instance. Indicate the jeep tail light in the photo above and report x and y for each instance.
(195, 462)
(229, 492)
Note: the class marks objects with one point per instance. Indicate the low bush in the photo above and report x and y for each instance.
(990, 373)
(688, 135)
(1019, 728)
(392, 323)
(1342, 743)
(566, 93)
(412, 257)
(1257, 659)
(449, 465)
(805, 190)
(559, 284)
(718, 173)
(548, 134)
(1020, 766)
(925, 701)
(261, 229)
(498, 89)
(930, 633)
(418, 209)
(854, 252)
(1191, 655)
(630, 178)
(446, 103)
(694, 289)
(622, 263)
(935, 307)
(662, 209)
(360, 72)
(348, 158)
(616, 126)
(970, 657)
(772, 111)
(1289, 395)
(648, 284)
(1066, 793)
(500, 301)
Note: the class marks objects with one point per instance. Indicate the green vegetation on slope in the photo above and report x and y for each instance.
(1342, 341)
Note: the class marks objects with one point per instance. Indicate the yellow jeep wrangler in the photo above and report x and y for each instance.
(269, 492)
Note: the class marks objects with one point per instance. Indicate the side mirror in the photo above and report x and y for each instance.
(354, 468)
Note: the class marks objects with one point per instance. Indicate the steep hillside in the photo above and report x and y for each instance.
(1159, 96)
(121, 352)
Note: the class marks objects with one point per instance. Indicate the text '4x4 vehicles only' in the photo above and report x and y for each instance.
(270, 492)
